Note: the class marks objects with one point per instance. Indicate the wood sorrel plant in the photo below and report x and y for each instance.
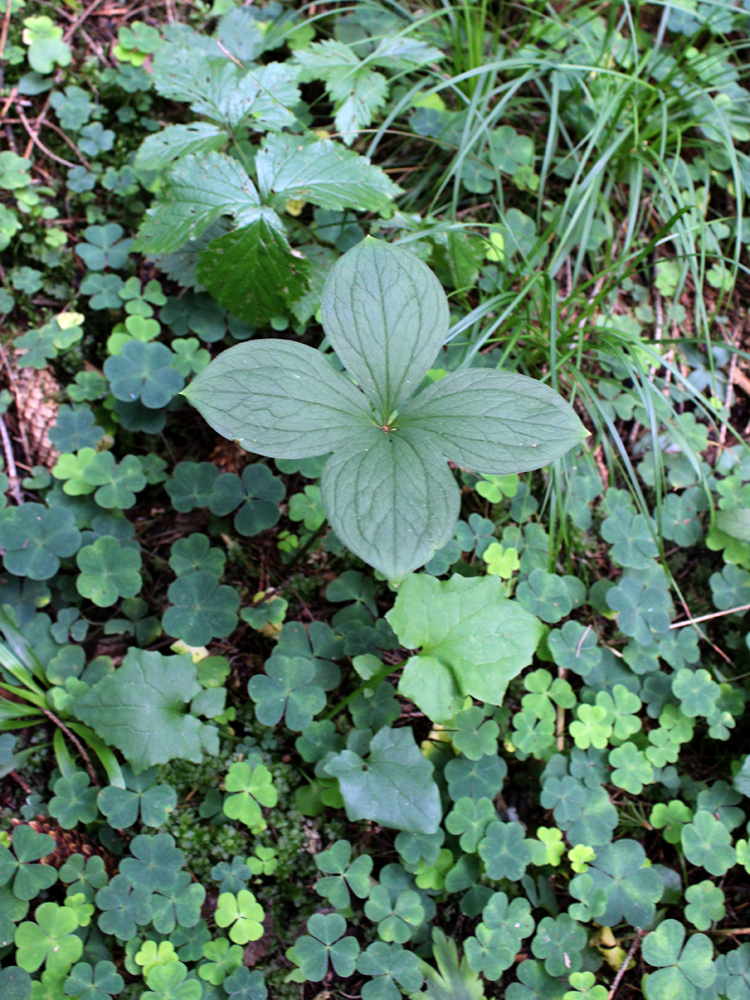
(386, 489)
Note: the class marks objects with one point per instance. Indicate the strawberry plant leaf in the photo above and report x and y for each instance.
(253, 272)
(200, 189)
(323, 172)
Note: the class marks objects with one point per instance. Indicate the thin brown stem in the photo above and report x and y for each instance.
(705, 618)
(15, 487)
(76, 743)
(628, 959)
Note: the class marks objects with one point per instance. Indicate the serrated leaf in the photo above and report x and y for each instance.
(200, 189)
(323, 172)
(390, 499)
(175, 141)
(523, 425)
(473, 641)
(253, 272)
(280, 399)
(393, 785)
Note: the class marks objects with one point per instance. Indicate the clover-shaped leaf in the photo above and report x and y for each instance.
(632, 769)
(682, 971)
(670, 817)
(142, 795)
(697, 691)
(505, 851)
(730, 588)
(632, 889)
(474, 736)
(574, 647)
(27, 879)
(109, 570)
(249, 788)
(123, 906)
(98, 983)
(118, 482)
(470, 819)
(705, 905)
(632, 537)
(343, 874)
(246, 985)
(257, 494)
(195, 553)
(287, 689)
(74, 801)
(462, 626)
(707, 842)
(498, 937)
(170, 982)
(476, 780)
(559, 941)
(733, 973)
(104, 247)
(642, 611)
(75, 429)
(222, 959)
(549, 596)
(155, 862)
(202, 608)
(84, 876)
(388, 965)
(325, 939)
(242, 914)
(398, 915)
(50, 940)
(143, 371)
(46, 46)
(231, 878)
(36, 538)
(386, 491)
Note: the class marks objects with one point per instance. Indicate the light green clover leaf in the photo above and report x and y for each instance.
(682, 971)
(242, 914)
(249, 788)
(707, 842)
(50, 941)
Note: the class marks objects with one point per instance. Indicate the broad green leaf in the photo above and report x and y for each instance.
(390, 499)
(280, 399)
(495, 422)
(253, 272)
(323, 172)
(386, 317)
(393, 785)
(200, 189)
(473, 641)
(142, 709)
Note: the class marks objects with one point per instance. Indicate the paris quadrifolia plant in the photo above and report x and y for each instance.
(386, 489)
